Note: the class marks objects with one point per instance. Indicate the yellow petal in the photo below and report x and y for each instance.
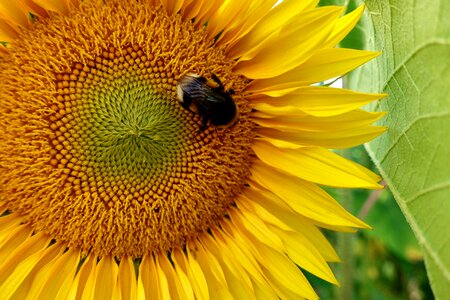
(11, 237)
(304, 197)
(147, 280)
(127, 279)
(51, 280)
(345, 229)
(237, 288)
(227, 258)
(172, 6)
(163, 281)
(116, 294)
(343, 26)
(7, 32)
(22, 291)
(268, 28)
(87, 287)
(82, 284)
(105, 278)
(350, 120)
(317, 165)
(293, 46)
(324, 64)
(279, 143)
(238, 281)
(253, 207)
(65, 285)
(244, 23)
(314, 100)
(152, 280)
(185, 283)
(333, 139)
(191, 10)
(264, 291)
(294, 219)
(141, 290)
(29, 5)
(289, 287)
(194, 274)
(244, 259)
(282, 274)
(59, 6)
(244, 252)
(215, 277)
(185, 4)
(303, 253)
(176, 288)
(25, 249)
(206, 10)
(275, 112)
(252, 224)
(223, 19)
(299, 248)
(211, 266)
(17, 276)
(8, 225)
(3, 207)
(11, 12)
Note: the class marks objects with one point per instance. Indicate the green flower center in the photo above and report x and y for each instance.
(127, 127)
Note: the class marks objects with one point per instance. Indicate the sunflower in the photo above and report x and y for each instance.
(111, 188)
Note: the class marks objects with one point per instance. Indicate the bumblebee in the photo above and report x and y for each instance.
(212, 103)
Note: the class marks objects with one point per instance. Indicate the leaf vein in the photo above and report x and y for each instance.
(430, 189)
(413, 122)
(411, 55)
(412, 81)
(429, 168)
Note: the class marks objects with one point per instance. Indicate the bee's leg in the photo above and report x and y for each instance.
(216, 79)
(231, 92)
(204, 123)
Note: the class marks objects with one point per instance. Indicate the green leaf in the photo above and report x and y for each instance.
(414, 155)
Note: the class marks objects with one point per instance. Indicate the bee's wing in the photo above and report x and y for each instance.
(200, 94)
(195, 99)
(217, 95)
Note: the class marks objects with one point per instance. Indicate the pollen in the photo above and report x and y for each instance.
(96, 150)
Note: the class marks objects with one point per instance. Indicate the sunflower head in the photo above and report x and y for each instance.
(103, 161)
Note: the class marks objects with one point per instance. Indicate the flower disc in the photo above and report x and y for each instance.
(98, 151)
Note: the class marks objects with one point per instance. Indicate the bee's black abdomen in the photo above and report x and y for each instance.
(213, 104)
(223, 113)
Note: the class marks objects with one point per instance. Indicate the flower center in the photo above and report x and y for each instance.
(122, 125)
(96, 149)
